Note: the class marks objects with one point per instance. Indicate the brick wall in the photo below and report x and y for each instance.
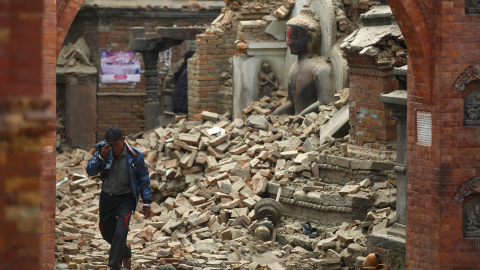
(254, 31)
(214, 50)
(210, 71)
(370, 121)
(122, 104)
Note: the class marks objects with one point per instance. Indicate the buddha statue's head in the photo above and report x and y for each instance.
(302, 32)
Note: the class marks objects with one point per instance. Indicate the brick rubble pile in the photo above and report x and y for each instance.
(206, 177)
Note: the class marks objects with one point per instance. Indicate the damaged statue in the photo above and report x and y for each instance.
(309, 81)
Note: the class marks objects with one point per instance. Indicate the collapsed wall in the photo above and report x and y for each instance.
(210, 71)
(250, 33)
(373, 52)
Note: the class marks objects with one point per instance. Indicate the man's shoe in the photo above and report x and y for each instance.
(127, 262)
(306, 227)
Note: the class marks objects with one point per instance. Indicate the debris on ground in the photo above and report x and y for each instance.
(206, 178)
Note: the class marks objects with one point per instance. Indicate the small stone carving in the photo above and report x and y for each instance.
(472, 109)
(471, 219)
(268, 81)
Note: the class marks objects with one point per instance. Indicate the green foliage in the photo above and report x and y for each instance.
(397, 260)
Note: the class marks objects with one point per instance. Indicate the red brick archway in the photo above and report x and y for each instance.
(66, 12)
(57, 21)
(415, 22)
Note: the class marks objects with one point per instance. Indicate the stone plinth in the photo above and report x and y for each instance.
(323, 208)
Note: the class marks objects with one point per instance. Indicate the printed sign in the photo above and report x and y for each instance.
(119, 67)
(424, 127)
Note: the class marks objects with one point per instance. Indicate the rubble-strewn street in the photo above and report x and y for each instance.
(206, 177)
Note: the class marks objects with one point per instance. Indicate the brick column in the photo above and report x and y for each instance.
(27, 163)
(371, 121)
(48, 161)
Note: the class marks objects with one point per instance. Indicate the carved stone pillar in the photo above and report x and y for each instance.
(152, 104)
(397, 104)
(394, 238)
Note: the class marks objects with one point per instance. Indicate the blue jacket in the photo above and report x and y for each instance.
(136, 168)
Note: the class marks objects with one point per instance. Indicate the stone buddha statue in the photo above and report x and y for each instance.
(309, 79)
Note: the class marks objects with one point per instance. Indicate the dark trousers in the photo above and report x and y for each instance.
(115, 212)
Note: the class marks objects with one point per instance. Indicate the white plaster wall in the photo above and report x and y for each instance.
(245, 82)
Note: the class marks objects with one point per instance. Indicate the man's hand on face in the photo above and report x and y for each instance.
(146, 212)
(105, 151)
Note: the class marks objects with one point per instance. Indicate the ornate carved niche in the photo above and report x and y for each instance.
(469, 82)
(471, 206)
(468, 188)
(471, 219)
(471, 110)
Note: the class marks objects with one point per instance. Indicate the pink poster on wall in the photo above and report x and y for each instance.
(119, 67)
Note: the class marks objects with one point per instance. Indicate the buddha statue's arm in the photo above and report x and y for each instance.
(311, 108)
(286, 108)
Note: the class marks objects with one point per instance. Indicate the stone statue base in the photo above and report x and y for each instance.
(472, 122)
(471, 233)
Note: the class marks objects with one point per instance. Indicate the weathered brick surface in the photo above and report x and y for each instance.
(47, 188)
(27, 68)
(441, 42)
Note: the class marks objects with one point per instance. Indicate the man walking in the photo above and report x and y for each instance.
(125, 178)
